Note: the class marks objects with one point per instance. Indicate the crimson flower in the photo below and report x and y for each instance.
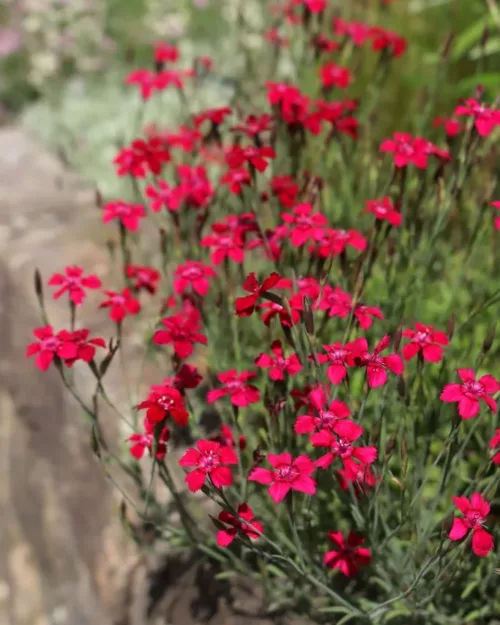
(142, 156)
(241, 393)
(340, 443)
(338, 303)
(248, 527)
(451, 125)
(358, 32)
(216, 116)
(475, 512)
(49, 345)
(235, 179)
(408, 149)
(279, 366)
(286, 190)
(128, 214)
(182, 331)
(426, 340)
(326, 415)
(226, 437)
(120, 304)
(304, 225)
(141, 442)
(85, 347)
(193, 190)
(333, 75)
(376, 365)
(360, 477)
(287, 474)
(226, 242)
(496, 204)
(147, 81)
(195, 274)
(384, 210)
(339, 358)
(74, 283)
(383, 39)
(165, 53)
(288, 316)
(485, 118)
(495, 444)
(471, 392)
(163, 401)
(348, 556)
(185, 377)
(185, 138)
(323, 44)
(335, 242)
(210, 460)
(237, 156)
(245, 306)
(254, 125)
(144, 278)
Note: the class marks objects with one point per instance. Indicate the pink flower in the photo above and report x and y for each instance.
(408, 149)
(286, 318)
(451, 125)
(376, 365)
(120, 305)
(48, 346)
(254, 125)
(235, 385)
(475, 512)
(426, 340)
(163, 401)
(285, 189)
(226, 243)
(144, 278)
(340, 443)
(326, 415)
(287, 474)
(210, 460)
(195, 274)
(304, 225)
(384, 210)
(360, 477)
(142, 156)
(128, 214)
(386, 40)
(349, 555)
(255, 156)
(471, 392)
(235, 179)
(279, 366)
(495, 444)
(141, 442)
(249, 527)
(182, 331)
(165, 53)
(339, 358)
(335, 242)
(358, 32)
(245, 306)
(496, 204)
(333, 75)
(338, 303)
(85, 346)
(74, 283)
(485, 118)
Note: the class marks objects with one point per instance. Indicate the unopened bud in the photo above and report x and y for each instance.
(397, 336)
(447, 45)
(484, 37)
(375, 433)
(94, 443)
(450, 330)
(488, 341)
(390, 445)
(308, 316)
(38, 284)
(98, 198)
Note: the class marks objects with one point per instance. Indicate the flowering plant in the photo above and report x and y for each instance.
(308, 261)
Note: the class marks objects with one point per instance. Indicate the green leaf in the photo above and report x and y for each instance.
(275, 570)
(225, 575)
(492, 47)
(466, 40)
(397, 612)
(489, 80)
(469, 588)
(334, 610)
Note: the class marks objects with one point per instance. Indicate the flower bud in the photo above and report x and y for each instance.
(488, 341)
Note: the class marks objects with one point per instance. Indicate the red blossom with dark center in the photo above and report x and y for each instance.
(485, 119)
(496, 204)
(469, 394)
(304, 225)
(415, 150)
(85, 347)
(210, 460)
(288, 316)
(128, 214)
(357, 32)
(216, 116)
(326, 415)
(236, 385)
(186, 377)
(74, 283)
(143, 278)
(278, 364)
(333, 75)
(349, 555)
(235, 179)
(475, 512)
(340, 440)
(383, 39)
(164, 401)
(226, 243)
(285, 189)
(165, 53)
(451, 125)
(426, 340)
(248, 527)
(226, 437)
(361, 478)
(146, 440)
(182, 332)
(49, 345)
(257, 157)
(384, 210)
(120, 304)
(254, 125)
(194, 190)
(287, 474)
(338, 303)
(376, 365)
(339, 358)
(495, 444)
(245, 306)
(141, 157)
(335, 242)
(193, 274)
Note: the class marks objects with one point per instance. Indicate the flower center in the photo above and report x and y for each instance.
(286, 472)
(423, 337)
(192, 273)
(476, 388)
(50, 344)
(209, 461)
(475, 518)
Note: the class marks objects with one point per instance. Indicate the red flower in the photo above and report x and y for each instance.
(193, 190)
(165, 53)
(496, 204)
(141, 442)
(128, 214)
(384, 209)
(216, 116)
(304, 225)
(147, 80)
(386, 40)
(74, 283)
(286, 189)
(144, 278)
(287, 474)
(338, 303)
(333, 75)
(315, 6)
(360, 477)
(237, 156)
(245, 306)
(120, 305)
(235, 179)
(254, 125)
(326, 417)
(279, 366)
(376, 365)
(163, 401)
(408, 149)
(48, 346)
(141, 157)
(426, 340)
(287, 319)
(339, 357)
(349, 555)
(336, 114)
(250, 528)
(85, 346)
(195, 274)
(471, 392)
(452, 126)
(494, 444)
(227, 243)
(475, 512)
(162, 196)
(335, 242)
(323, 44)
(210, 460)
(235, 385)
(340, 442)
(485, 119)
(187, 139)
(358, 32)
(182, 331)
(186, 376)
(226, 437)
